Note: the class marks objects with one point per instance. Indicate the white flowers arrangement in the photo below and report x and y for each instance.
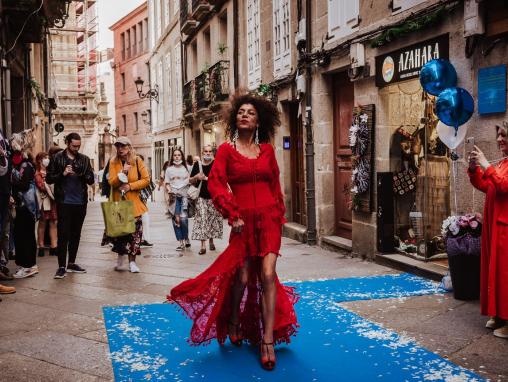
(462, 225)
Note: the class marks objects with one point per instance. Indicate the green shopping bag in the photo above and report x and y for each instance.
(118, 216)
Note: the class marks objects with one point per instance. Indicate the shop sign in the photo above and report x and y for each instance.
(405, 63)
(492, 89)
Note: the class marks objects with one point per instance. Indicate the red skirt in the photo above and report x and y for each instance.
(206, 299)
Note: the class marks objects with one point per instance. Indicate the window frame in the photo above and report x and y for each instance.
(253, 43)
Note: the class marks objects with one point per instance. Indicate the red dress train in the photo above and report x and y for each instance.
(248, 189)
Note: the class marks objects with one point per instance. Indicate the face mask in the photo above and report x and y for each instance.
(208, 157)
(177, 162)
(17, 158)
(45, 162)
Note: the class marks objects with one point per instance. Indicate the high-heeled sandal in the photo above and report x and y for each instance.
(236, 339)
(266, 362)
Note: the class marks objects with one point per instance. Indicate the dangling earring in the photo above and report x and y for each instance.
(235, 136)
(256, 137)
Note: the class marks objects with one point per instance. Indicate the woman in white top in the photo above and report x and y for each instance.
(176, 180)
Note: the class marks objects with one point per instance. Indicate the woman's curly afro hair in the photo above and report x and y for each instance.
(268, 115)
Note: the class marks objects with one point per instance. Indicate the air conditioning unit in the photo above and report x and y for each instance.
(473, 18)
(301, 35)
(357, 55)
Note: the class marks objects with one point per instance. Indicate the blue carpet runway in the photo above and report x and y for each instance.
(148, 342)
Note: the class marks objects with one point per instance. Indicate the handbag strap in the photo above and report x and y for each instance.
(201, 172)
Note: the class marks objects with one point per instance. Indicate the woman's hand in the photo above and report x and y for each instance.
(126, 168)
(238, 225)
(125, 187)
(478, 158)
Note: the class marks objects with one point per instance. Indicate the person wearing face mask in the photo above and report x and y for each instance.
(208, 224)
(27, 213)
(176, 181)
(492, 179)
(47, 205)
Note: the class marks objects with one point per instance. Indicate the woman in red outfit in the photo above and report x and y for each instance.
(493, 180)
(240, 294)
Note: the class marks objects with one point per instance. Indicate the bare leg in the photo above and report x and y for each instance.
(203, 244)
(268, 302)
(242, 277)
(41, 228)
(53, 233)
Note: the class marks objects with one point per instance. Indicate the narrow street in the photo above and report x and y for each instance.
(53, 330)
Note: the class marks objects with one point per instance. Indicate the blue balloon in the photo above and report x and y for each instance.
(437, 75)
(454, 107)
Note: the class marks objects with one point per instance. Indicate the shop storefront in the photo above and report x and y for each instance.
(420, 166)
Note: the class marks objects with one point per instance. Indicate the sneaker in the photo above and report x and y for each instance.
(35, 269)
(501, 332)
(180, 248)
(7, 289)
(119, 264)
(187, 243)
(494, 323)
(5, 273)
(75, 268)
(145, 244)
(40, 252)
(60, 273)
(133, 267)
(21, 273)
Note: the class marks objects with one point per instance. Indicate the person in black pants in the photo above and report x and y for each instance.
(70, 172)
(24, 196)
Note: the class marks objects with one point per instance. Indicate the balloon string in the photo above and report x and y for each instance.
(454, 174)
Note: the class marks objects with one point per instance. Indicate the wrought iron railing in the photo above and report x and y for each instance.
(202, 90)
(188, 98)
(219, 81)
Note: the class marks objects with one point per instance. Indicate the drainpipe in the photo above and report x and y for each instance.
(235, 44)
(28, 95)
(309, 143)
(47, 109)
(183, 71)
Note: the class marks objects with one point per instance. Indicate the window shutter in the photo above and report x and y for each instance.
(253, 44)
(402, 5)
(169, 87)
(178, 79)
(333, 17)
(281, 38)
(342, 17)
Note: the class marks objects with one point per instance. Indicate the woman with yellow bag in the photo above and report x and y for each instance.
(127, 177)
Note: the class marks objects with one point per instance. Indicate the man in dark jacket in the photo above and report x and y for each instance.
(70, 172)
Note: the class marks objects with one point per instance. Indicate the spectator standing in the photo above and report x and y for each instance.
(208, 224)
(71, 173)
(127, 176)
(27, 213)
(5, 192)
(177, 184)
(47, 205)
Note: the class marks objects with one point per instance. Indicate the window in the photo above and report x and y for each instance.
(152, 23)
(134, 41)
(124, 122)
(136, 122)
(122, 77)
(154, 80)
(178, 80)
(402, 5)
(253, 48)
(145, 30)
(282, 47)
(160, 81)
(122, 42)
(342, 17)
(140, 37)
(128, 43)
(158, 17)
(169, 90)
(176, 6)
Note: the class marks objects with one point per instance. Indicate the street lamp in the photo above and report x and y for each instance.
(146, 117)
(151, 93)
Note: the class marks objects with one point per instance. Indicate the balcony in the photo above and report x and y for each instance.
(188, 102)
(219, 83)
(200, 9)
(202, 89)
(187, 23)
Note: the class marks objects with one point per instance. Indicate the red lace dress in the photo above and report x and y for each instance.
(253, 195)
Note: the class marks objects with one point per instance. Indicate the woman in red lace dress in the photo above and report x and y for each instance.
(240, 294)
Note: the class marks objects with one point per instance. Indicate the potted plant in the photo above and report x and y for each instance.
(463, 246)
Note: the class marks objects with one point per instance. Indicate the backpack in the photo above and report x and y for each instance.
(105, 186)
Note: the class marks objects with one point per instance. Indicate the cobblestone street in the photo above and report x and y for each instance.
(53, 330)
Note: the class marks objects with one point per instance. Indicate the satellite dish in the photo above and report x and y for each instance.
(59, 127)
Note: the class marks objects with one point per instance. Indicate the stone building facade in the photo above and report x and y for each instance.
(131, 52)
(165, 60)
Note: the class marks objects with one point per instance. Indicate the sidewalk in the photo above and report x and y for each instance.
(53, 330)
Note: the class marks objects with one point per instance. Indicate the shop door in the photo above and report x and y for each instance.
(343, 103)
(297, 174)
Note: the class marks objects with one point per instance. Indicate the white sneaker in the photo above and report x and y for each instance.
(119, 264)
(133, 267)
(21, 273)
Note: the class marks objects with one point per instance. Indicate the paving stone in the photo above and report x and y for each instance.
(18, 368)
(96, 335)
(80, 354)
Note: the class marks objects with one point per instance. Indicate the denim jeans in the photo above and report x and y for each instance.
(182, 230)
